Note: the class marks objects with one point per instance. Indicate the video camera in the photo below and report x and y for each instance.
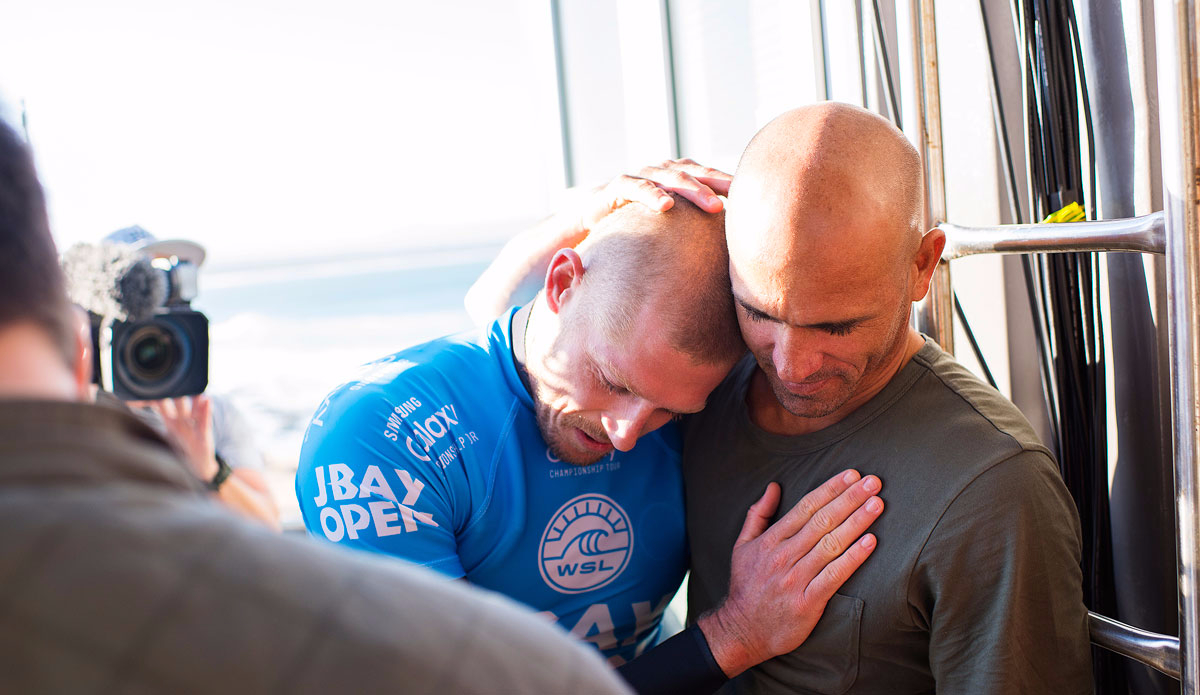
(162, 356)
(148, 342)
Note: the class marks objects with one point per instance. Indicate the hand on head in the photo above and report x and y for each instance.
(652, 186)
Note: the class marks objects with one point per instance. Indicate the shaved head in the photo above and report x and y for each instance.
(827, 254)
(832, 177)
(633, 327)
(672, 265)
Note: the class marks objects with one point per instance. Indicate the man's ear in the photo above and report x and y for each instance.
(563, 278)
(929, 254)
(82, 371)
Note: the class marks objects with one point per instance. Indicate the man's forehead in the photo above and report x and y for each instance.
(647, 366)
(806, 293)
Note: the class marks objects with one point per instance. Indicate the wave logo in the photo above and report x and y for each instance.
(586, 545)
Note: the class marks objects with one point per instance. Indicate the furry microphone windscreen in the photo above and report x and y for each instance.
(113, 280)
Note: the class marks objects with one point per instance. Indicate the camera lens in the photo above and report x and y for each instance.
(152, 353)
(164, 356)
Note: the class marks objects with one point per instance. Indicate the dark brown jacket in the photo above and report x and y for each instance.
(118, 575)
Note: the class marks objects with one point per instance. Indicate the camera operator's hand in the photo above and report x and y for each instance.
(782, 576)
(188, 421)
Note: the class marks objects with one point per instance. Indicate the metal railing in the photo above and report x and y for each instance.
(1145, 234)
(1160, 652)
(1175, 38)
(1174, 232)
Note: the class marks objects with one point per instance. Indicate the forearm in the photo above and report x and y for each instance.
(730, 650)
(246, 492)
(520, 268)
(683, 664)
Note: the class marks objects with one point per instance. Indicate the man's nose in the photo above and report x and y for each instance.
(624, 425)
(795, 358)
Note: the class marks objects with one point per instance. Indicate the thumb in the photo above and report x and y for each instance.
(758, 517)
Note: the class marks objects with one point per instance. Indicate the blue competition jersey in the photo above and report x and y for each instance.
(433, 454)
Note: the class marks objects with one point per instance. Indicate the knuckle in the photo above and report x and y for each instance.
(823, 520)
(807, 507)
(680, 176)
(829, 544)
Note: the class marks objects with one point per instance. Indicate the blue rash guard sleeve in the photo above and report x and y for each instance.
(371, 484)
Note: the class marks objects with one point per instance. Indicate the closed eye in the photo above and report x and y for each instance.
(840, 329)
(606, 383)
(611, 387)
(756, 315)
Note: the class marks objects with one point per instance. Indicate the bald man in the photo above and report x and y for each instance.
(508, 459)
(976, 585)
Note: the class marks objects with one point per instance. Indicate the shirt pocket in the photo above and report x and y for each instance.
(827, 662)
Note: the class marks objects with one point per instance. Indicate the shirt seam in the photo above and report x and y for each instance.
(908, 584)
(494, 466)
(1021, 449)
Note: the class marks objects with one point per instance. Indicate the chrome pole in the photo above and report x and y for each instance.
(1176, 50)
(1143, 234)
(1160, 652)
(934, 314)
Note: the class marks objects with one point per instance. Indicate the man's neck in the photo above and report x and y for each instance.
(768, 413)
(30, 367)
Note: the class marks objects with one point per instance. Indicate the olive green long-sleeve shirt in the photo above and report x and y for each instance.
(975, 586)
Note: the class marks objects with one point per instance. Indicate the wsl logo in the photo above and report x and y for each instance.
(586, 545)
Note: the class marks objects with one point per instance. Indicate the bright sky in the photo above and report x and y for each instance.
(268, 128)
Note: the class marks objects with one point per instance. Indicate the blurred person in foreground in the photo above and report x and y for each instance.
(539, 458)
(119, 574)
(209, 429)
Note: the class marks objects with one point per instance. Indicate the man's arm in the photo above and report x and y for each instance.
(782, 576)
(366, 480)
(999, 587)
(520, 268)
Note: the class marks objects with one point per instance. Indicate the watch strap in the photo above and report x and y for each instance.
(223, 471)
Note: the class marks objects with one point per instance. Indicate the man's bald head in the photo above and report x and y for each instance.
(828, 179)
(673, 264)
(827, 255)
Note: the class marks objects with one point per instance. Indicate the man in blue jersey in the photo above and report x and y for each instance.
(508, 458)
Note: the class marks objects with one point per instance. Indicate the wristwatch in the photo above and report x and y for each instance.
(223, 471)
